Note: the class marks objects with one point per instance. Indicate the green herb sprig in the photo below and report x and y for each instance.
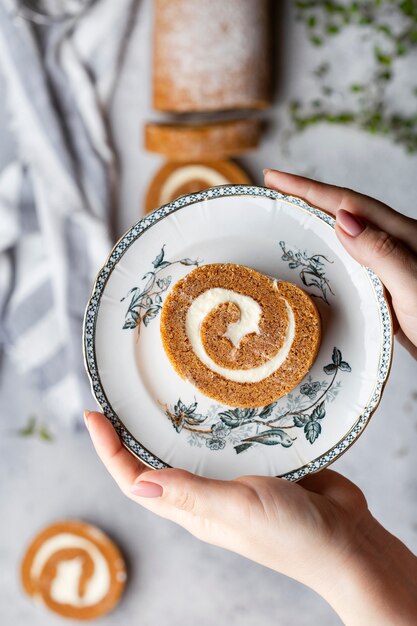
(34, 429)
(390, 27)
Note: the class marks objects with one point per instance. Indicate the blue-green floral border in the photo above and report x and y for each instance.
(147, 222)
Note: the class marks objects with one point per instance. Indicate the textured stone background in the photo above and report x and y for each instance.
(174, 579)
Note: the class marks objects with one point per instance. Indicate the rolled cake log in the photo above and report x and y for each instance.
(179, 178)
(211, 141)
(211, 55)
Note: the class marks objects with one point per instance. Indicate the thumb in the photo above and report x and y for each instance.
(181, 494)
(387, 256)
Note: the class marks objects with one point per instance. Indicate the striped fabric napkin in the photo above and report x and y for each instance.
(55, 199)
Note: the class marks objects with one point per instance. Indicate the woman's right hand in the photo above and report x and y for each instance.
(373, 234)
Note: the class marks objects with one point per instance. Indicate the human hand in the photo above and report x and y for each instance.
(282, 525)
(373, 234)
(318, 531)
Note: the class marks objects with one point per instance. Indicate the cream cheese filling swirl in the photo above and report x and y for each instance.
(74, 569)
(187, 173)
(250, 315)
(238, 336)
(65, 585)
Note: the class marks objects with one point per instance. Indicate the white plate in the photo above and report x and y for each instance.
(166, 421)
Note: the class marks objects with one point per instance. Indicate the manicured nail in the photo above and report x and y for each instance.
(86, 414)
(348, 222)
(146, 489)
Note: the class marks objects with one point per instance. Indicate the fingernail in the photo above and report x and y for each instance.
(86, 414)
(146, 489)
(265, 171)
(348, 222)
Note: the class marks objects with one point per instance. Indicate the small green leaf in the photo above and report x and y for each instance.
(188, 262)
(247, 414)
(330, 7)
(159, 258)
(150, 314)
(312, 430)
(408, 7)
(336, 357)
(129, 325)
(194, 419)
(356, 88)
(242, 447)
(332, 29)
(341, 118)
(230, 419)
(267, 410)
(177, 423)
(148, 286)
(401, 49)
(385, 28)
(29, 429)
(32, 428)
(300, 420)
(164, 283)
(381, 57)
(345, 367)
(130, 292)
(45, 434)
(386, 75)
(319, 412)
(329, 369)
(316, 40)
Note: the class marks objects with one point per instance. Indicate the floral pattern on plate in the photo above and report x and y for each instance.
(146, 301)
(312, 272)
(270, 425)
(220, 225)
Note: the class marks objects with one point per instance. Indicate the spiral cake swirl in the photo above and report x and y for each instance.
(238, 336)
(75, 570)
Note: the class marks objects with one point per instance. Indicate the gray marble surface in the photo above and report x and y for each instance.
(174, 579)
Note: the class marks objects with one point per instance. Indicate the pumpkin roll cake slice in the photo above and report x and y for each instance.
(239, 336)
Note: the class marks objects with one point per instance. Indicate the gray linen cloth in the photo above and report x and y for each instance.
(55, 199)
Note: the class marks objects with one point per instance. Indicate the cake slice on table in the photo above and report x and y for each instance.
(198, 156)
(75, 570)
(177, 179)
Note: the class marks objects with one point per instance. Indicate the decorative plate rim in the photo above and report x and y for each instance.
(131, 235)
